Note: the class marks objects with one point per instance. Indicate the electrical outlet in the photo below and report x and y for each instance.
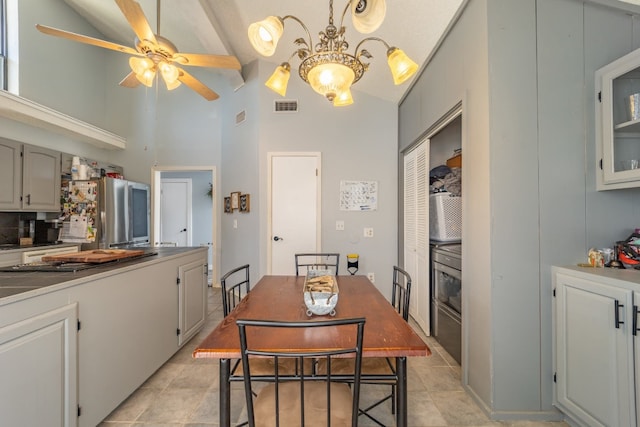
(371, 277)
(340, 225)
(368, 232)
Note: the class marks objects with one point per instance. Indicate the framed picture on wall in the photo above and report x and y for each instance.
(227, 205)
(235, 200)
(245, 203)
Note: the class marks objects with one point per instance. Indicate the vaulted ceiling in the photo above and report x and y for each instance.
(220, 27)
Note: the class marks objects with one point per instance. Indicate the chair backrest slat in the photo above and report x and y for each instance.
(235, 285)
(401, 292)
(317, 261)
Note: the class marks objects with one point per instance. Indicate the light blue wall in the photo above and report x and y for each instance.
(182, 129)
(524, 70)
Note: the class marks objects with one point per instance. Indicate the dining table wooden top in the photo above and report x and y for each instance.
(386, 333)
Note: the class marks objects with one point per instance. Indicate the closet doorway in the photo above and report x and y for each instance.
(419, 159)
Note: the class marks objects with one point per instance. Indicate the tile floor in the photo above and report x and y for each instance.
(184, 392)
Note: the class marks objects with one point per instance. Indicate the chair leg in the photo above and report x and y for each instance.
(393, 399)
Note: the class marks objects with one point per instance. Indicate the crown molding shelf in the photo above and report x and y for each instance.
(23, 110)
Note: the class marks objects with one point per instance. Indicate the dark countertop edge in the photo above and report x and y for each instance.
(59, 280)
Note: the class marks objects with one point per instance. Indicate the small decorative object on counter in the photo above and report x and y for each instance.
(595, 258)
(320, 293)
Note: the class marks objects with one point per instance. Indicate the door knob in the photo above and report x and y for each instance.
(276, 238)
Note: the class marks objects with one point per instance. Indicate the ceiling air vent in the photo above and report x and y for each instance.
(286, 106)
(241, 117)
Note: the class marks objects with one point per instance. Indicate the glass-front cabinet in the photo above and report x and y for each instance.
(618, 123)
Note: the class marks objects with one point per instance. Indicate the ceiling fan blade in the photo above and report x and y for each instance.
(134, 14)
(85, 39)
(130, 80)
(196, 85)
(201, 60)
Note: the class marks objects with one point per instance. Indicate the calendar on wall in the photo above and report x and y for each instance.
(358, 195)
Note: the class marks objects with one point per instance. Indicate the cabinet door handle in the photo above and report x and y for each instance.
(618, 306)
(28, 199)
(635, 320)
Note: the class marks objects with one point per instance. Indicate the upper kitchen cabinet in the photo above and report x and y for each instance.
(30, 178)
(10, 175)
(618, 123)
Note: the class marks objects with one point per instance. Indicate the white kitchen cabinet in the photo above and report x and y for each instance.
(617, 134)
(126, 326)
(10, 175)
(30, 177)
(40, 179)
(38, 367)
(594, 349)
(192, 299)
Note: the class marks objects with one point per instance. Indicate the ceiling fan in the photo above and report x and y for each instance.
(153, 53)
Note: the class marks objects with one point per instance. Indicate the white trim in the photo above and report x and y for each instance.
(23, 110)
(156, 174)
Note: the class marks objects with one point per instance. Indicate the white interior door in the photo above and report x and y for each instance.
(416, 232)
(294, 208)
(175, 212)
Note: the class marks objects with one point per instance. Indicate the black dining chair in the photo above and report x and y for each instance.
(317, 261)
(235, 285)
(380, 370)
(306, 399)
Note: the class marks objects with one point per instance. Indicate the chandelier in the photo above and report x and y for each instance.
(328, 68)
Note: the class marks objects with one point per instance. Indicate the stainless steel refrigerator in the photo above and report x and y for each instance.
(106, 213)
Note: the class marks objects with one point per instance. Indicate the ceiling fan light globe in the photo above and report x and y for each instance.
(140, 64)
(169, 72)
(279, 80)
(367, 15)
(330, 79)
(172, 85)
(401, 66)
(264, 35)
(146, 78)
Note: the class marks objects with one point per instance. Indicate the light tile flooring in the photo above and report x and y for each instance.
(184, 392)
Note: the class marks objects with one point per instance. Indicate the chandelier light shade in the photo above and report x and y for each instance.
(367, 15)
(280, 79)
(327, 66)
(343, 99)
(330, 79)
(264, 35)
(402, 67)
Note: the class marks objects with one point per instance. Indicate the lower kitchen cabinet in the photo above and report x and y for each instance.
(594, 340)
(192, 299)
(38, 367)
(73, 366)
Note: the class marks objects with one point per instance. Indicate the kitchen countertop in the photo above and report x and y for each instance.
(19, 285)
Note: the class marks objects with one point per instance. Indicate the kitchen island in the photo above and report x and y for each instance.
(74, 345)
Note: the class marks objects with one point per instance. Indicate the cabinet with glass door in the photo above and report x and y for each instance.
(618, 123)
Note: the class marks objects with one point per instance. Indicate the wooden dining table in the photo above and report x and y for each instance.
(386, 333)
